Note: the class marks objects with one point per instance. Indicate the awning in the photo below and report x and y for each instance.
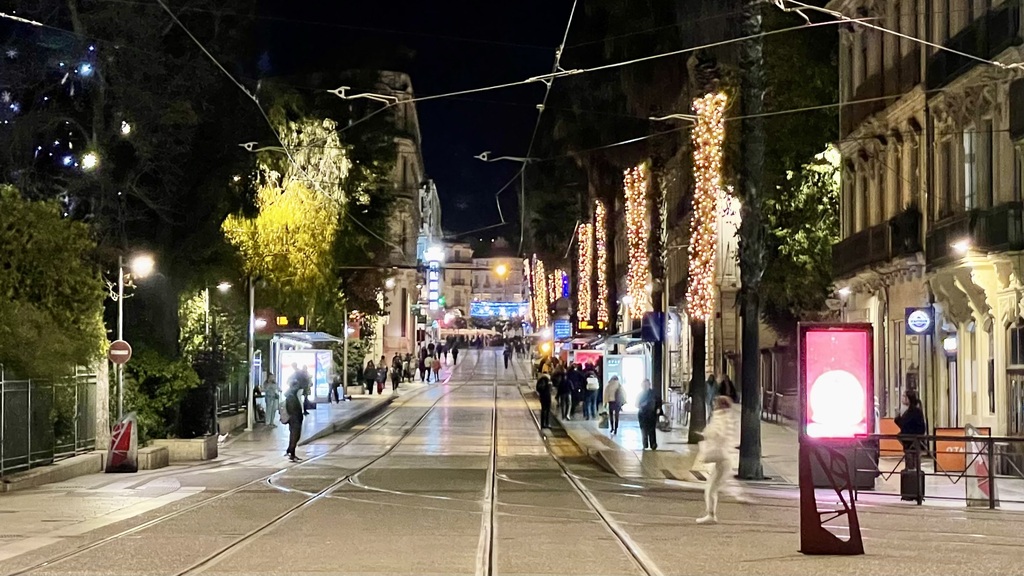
(309, 339)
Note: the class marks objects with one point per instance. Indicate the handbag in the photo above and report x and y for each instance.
(663, 424)
(283, 415)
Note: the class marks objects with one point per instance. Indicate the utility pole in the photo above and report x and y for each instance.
(250, 351)
(120, 335)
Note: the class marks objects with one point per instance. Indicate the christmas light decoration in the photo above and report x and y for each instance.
(126, 128)
(540, 291)
(585, 267)
(708, 135)
(90, 160)
(601, 250)
(635, 183)
(556, 280)
(528, 285)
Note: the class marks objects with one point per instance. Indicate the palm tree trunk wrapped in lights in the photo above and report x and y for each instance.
(708, 136)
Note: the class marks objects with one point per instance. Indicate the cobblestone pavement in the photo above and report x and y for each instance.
(456, 479)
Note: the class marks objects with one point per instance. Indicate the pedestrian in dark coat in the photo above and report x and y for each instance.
(293, 407)
(544, 393)
(369, 376)
(649, 409)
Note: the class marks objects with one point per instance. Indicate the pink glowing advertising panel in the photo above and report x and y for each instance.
(836, 386)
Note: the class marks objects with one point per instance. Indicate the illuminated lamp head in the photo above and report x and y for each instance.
(836, 406)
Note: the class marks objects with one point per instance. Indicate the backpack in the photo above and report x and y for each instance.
(592, 383)
(620, 396)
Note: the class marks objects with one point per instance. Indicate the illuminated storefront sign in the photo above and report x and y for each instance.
(919, 320)
(562, 329)
(836, 386)
(498, 309)
(433, 285)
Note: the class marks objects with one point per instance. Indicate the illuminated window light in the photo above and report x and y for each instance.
(708, 136)
(585, 270)
(636, 181)
(601, 251)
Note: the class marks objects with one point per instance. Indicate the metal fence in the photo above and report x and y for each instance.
(233, 393)
(983, 471)
(43, 421)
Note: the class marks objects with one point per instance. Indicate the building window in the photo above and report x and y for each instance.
(970, 142)
(971, 367)
(978, 161)
(914, 184)
(948, 198)
(991, 370)
(1018, 173)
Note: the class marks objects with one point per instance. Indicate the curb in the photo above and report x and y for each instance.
(343, 424)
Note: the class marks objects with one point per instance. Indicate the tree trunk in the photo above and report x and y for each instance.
(751, 245)
(657, 244)
(698, 389)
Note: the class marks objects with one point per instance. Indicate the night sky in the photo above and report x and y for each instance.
(445, 46)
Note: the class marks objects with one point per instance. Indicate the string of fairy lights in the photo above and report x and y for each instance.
(601, 249)
(636, 180)
(586, 265)
(708, 136)
(557, 285)
(540, 293)
(528, 281)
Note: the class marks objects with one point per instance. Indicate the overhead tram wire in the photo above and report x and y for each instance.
(840, 17)
(277, 135)
(555, 68)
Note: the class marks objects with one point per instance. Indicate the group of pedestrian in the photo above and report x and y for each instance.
(576, 385)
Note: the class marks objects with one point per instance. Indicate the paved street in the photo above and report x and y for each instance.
(454, 479)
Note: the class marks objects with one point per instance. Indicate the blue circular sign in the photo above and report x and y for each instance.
(919, 321)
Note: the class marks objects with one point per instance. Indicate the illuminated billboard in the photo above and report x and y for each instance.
(498, 309)
(836, 380)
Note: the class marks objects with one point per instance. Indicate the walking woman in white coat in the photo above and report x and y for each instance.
(715, 449)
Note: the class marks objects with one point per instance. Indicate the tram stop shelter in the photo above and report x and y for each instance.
(312, 350)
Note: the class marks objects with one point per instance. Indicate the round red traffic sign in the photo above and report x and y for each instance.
(120, 352)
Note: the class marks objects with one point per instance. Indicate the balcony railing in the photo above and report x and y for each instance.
(869, 246)
(987, 230)
(985, 38)
(899, 236)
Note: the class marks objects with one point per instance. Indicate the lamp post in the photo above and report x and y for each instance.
(140, 267)
(250, 419)
(223, 287)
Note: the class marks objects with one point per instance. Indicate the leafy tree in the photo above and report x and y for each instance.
(118, 84)
(154, 388)
(288, 244)
(318, 235)
(802, 221)
(50, 312)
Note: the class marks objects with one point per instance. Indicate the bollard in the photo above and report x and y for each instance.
(990, 444)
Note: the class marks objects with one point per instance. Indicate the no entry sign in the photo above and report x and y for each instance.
(120, 352)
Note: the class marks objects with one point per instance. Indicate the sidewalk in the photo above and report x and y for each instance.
(675, 459)
(51, 513)
(324, 420)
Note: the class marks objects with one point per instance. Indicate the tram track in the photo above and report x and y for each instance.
(226, 551)
(638, 557)
(268, 478)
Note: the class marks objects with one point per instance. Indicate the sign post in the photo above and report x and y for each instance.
(836, 387)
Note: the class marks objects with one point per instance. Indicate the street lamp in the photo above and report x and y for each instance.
(139, 267)
(389, 283)
(222, 287)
